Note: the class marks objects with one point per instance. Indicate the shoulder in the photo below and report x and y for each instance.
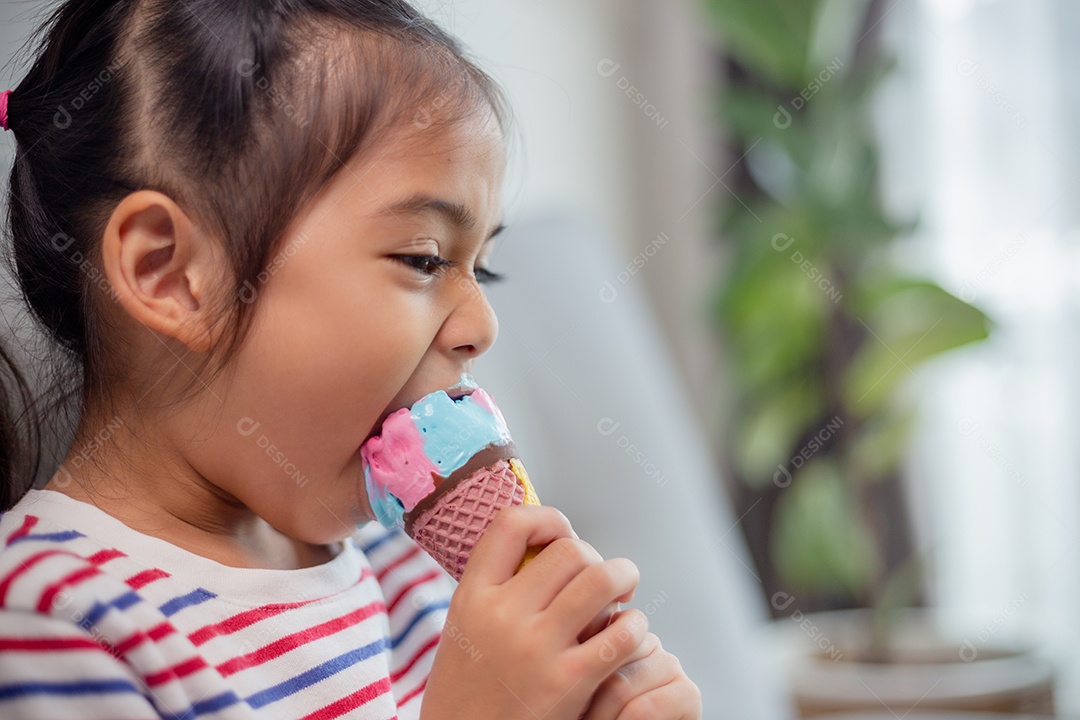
(57, 669)
(60, 574)
(60, 655)
(42, 558)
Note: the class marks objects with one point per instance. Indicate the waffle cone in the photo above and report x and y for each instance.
(450, 528)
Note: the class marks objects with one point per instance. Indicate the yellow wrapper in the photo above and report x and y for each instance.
(530, 499)
(523, 478)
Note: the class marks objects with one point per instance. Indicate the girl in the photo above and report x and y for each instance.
(253, 230)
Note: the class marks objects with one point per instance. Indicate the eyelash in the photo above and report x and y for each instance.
(433, 266)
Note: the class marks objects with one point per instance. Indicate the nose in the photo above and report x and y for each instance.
(472, 326)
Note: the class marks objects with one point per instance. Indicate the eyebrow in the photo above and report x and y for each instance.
(452, 212)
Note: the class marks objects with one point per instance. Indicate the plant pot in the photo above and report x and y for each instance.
(925, 670)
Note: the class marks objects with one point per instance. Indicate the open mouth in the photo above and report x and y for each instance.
(461, 389)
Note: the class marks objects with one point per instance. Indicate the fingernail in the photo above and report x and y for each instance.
(569, 524)
(612, 616)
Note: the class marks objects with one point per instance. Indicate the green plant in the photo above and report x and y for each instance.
(824, 325)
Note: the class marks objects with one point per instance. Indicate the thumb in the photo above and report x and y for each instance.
(499, 551)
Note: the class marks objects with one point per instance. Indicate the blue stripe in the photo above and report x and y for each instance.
(315, 674)
(195, 597)
(58, 537)
(379, 541)
(98, 687)
(416, 618)
(80, 687)
(213, 704)
(121, 603)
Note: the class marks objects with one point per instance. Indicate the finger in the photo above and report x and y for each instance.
(591, 591)
(650, 645)
(553, 569)
(500, 549)
(680, 699)
(601, 621)
(606, 616)
(613, 646)
(647, 669)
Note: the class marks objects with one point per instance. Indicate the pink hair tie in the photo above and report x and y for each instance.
(3, 109)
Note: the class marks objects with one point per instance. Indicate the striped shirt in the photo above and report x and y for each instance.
(100, 621)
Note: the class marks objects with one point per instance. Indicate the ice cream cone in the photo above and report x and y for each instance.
(442, 470)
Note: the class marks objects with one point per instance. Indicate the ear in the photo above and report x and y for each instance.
(161, 265)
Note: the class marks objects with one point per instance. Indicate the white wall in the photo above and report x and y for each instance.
(616, 129)
(980, 129)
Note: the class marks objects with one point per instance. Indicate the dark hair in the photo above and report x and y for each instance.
(239, 110)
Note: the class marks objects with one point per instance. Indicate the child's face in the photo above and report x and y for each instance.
(351, 324)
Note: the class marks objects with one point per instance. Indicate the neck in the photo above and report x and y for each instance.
(153, 489)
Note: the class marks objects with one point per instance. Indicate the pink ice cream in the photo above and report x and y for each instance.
(442, 469)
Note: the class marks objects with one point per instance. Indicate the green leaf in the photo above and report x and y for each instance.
(768, 436)
(837, 31)
(774, 318)
(881, 445)
(770, 36)
(748, 113)
(820, 542)
(908, 322)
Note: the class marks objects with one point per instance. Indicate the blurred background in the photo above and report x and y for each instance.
(833, 244)
(790, 321)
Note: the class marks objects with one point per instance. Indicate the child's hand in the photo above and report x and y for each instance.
(515, 651)
(650, 685)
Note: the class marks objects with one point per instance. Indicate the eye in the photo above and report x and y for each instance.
(484, 276)
(427, 264)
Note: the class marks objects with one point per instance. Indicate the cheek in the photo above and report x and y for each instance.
(328, 363)
(320, 364)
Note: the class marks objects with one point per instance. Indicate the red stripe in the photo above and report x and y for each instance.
(99, 558)
(176, 672)
(146, 577)
(28, 524)
(241, 621)
(96, 560)
(23, 567)
(426, 577)
(291, 642)
(43, 644)
(433, 642)
(156, 633)
(409, 696)
(350, 702)
(387, 569)
(250, 617)
(46, 600)
(103, 556)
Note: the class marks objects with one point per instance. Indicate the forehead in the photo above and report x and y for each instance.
(458, 159)
(461, 163)
(475, 140)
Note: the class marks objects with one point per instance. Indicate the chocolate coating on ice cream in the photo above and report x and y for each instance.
(485, 458)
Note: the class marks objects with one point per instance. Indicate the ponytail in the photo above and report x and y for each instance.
(19, 456)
